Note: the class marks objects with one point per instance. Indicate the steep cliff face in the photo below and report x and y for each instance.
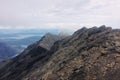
(89, 54)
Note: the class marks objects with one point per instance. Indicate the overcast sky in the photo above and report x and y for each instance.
(60, 14)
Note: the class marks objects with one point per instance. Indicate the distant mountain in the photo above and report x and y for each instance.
(88, 54)
(6, 51)
(30, 55)
(48, 40)
(20, 39)
(21, 44)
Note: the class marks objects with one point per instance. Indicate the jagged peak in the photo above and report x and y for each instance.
(104, 27)
(48, 40)
(48, 34)
(92, 30)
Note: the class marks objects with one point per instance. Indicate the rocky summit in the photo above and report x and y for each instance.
(88, 54)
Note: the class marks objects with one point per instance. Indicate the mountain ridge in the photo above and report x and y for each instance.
(88, 54)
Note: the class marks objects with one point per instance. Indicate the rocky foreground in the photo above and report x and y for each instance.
(88, 54)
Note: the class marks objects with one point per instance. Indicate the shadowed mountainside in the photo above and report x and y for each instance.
(6, 51)
(88, 54)
(32, 57)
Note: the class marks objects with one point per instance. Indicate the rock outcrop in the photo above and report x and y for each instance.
(89, 54)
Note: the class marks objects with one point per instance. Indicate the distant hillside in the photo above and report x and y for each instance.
(6, 51)
(20, 39)
(21, 44)
(88, 54)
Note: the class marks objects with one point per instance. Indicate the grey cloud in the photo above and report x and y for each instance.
(58, 13)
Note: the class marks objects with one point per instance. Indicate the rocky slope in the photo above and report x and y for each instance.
(89, 54)
(32, 57)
